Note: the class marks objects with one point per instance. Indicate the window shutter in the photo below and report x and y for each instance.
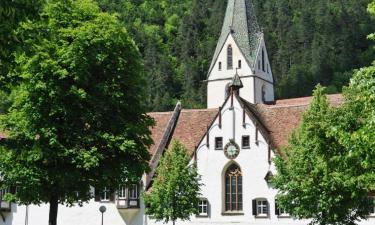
(277, 212)
(97, 195)
(254, 207)
(268, 208)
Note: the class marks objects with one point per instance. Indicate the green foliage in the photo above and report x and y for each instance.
(12, 13)
(326, 174)
(175, 190)
(78, 118)
(308, 42)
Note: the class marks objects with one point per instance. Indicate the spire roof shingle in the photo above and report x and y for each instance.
(240, 21)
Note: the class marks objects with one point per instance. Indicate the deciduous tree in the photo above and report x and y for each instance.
(175, 190)
(78, 118)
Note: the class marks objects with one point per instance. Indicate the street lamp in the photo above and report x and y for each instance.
(102, 209)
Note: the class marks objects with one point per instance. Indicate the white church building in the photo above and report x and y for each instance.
(232, 142)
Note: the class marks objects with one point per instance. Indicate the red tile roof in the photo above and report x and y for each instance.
(192, 125)
(190, 128)
(279, 120)
(284, 116)
(157, 131)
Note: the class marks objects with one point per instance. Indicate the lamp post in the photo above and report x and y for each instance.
(102, 209)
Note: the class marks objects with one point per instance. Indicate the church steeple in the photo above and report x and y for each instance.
(240, 21)
(241, 48)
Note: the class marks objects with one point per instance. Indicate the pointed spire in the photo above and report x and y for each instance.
(240, 21)
(236, 83)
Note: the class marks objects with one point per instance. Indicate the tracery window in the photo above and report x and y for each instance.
(233, 189)
(229, 57)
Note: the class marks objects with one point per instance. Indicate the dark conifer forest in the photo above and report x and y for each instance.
(309, 42)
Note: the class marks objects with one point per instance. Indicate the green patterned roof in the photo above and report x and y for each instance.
(236, 82)
(241, 21)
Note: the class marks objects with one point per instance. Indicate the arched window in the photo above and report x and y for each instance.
(233, 189)
(263, 93)
(229, 57)
(263, 61)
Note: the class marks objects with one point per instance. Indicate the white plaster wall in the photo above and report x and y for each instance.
(218, 79)
(254, 165)
(259, 72)
(269, 92)
(87, 215)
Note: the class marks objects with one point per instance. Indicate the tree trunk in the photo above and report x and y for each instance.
(53, 207)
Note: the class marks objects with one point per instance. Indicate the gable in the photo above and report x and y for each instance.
(240, 21)
(237, 55)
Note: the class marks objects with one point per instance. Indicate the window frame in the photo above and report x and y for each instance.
(233, 197)
(229, 57)
(372, 213)
(106, 193)
(261, 208)
(122, 192)
(216, 143)
(242, 141)
(133, 189)
(202, 204)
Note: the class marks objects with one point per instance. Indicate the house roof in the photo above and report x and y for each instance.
(240, 21)
(191, 125)
(285, 115)
(276, 121)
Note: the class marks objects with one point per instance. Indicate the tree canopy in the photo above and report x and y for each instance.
(175, 189)
(328, 172)
(308, 42)
(77, 118)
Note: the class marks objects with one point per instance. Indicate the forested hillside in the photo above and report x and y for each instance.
(309, 42)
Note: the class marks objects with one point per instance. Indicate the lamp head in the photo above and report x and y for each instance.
(102, 209)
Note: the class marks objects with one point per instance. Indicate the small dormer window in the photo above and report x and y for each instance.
(239, 64)
(219, 66)
(229, 57)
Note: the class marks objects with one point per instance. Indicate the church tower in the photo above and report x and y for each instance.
(240, 50)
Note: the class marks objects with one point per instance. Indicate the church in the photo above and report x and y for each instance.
(232, 142)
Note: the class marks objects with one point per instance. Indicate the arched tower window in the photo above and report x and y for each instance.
(263, 93)
(233, 188)
(229, 57)
(263, 60)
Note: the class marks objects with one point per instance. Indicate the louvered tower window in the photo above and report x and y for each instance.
(233, 189)
(229, 57)
(263, 67)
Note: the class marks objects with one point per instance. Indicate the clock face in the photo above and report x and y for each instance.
(231, 150)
